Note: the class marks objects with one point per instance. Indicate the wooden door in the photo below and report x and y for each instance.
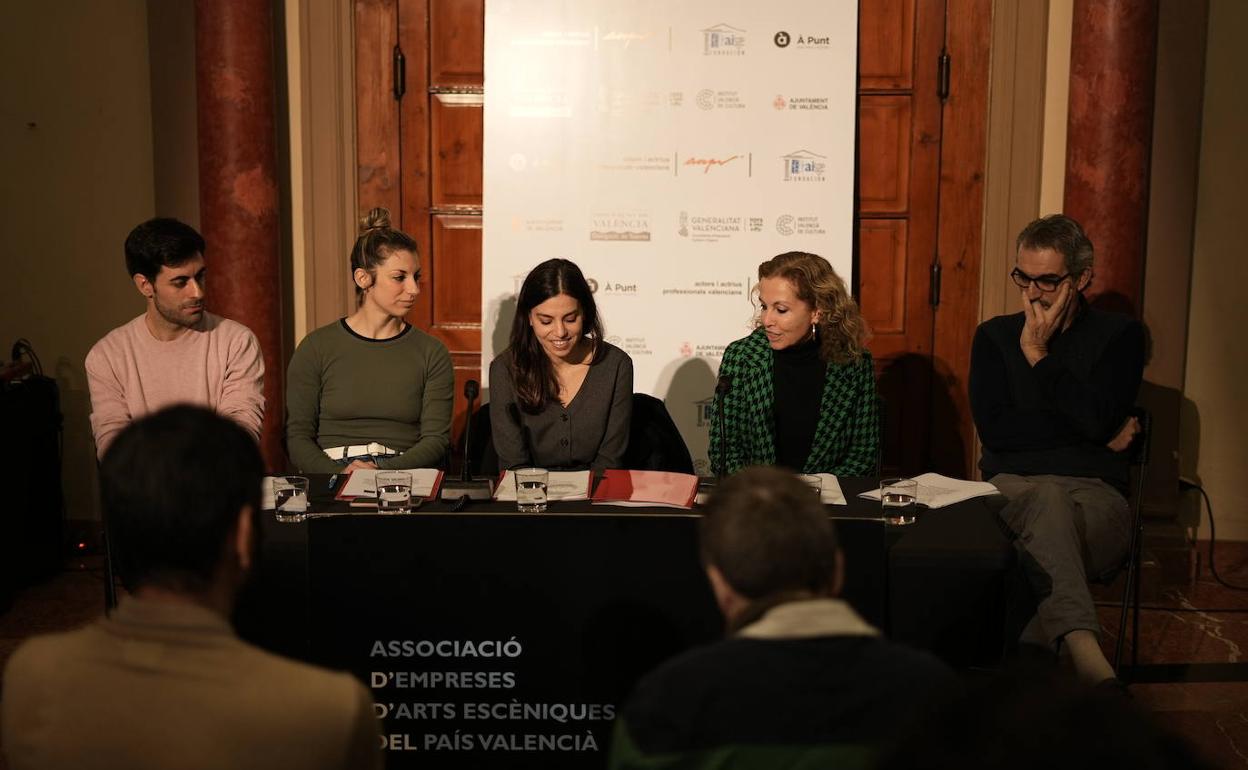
(419, 108)
(419, 76)
(899, 133)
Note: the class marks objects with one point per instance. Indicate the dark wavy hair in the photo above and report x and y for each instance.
(531, 370)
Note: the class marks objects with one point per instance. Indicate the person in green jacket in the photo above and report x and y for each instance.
(371, 390)
(801, 388)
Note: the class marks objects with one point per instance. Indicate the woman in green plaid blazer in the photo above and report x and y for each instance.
(801, 386)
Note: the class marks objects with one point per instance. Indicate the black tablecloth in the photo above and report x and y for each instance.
(594, 596)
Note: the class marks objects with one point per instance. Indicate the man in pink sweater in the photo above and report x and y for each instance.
(175, 352)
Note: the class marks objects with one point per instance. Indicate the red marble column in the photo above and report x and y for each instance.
(238, 185)
(1109, 140)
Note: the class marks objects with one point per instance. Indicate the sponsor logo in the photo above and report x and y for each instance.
(619, 289)
(709, 99)
(706, 164)
(647, 163)
(707, 289)
(802, 42)
(686, 349)
(593, 288)
(709, 228)
(620, 226)
(787, 224)
(804, 166)
(536, 225)
(625, 39)
(801, 103)
(634, 346)
(540, 103)
(615, 339)
(723, 40)
(676, 98)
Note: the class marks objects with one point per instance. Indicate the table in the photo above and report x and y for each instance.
(523, 632)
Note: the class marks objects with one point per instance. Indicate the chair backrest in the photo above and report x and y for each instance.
(484, 460)
(654, 443)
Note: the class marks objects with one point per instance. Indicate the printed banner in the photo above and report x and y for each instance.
(667, 149)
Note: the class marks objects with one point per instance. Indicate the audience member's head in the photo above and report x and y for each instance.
(1062, 234)
(1039, 721)
(765, 538)
(180, 489)
(159, 243)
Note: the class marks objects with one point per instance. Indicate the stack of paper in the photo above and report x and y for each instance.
(362, 483)
(937, 491)
(560, 485)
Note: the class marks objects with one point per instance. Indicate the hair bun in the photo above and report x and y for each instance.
(376, 219)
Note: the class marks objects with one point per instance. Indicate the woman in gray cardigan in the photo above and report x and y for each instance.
(561, 397)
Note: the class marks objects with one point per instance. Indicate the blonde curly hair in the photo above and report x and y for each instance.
(842, 331)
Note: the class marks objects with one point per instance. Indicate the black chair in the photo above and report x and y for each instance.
(654, 443)
(1139, 450)
(484, 460)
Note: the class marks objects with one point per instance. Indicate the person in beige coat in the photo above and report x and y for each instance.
(164, 681)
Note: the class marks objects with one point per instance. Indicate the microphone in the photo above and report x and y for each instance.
(722, 389)
(468, 488)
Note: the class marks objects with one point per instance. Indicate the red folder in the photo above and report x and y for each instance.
(620, 487)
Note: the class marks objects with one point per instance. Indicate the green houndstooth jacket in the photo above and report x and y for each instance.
(847, 436)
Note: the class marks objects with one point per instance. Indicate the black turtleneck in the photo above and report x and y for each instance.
(799, 374)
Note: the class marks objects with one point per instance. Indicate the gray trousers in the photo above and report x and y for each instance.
(1066, 529)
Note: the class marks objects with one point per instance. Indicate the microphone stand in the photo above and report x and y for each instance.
(467, 487)
(721, 390)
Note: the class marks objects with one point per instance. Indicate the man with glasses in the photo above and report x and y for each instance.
(1051, 389)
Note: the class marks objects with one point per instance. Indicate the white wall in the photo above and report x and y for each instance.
(1215, 426)
(76, 143)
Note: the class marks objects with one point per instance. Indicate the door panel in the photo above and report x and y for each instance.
(885, 44)
(884, 123)
(882, 277)
(456, 282)
(456, 128)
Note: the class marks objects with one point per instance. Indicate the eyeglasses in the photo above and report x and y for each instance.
(1045, 283)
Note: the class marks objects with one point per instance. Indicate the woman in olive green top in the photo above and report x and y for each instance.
(370, 390)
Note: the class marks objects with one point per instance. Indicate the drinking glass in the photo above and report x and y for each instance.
(898, 498)
(290, 498)
(394, 491)
(531, 489)
(812, 481)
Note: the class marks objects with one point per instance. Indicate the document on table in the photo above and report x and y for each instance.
(560, 485)
(362, 483)
(937, 491)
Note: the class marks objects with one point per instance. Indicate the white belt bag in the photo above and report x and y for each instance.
(358, 450)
